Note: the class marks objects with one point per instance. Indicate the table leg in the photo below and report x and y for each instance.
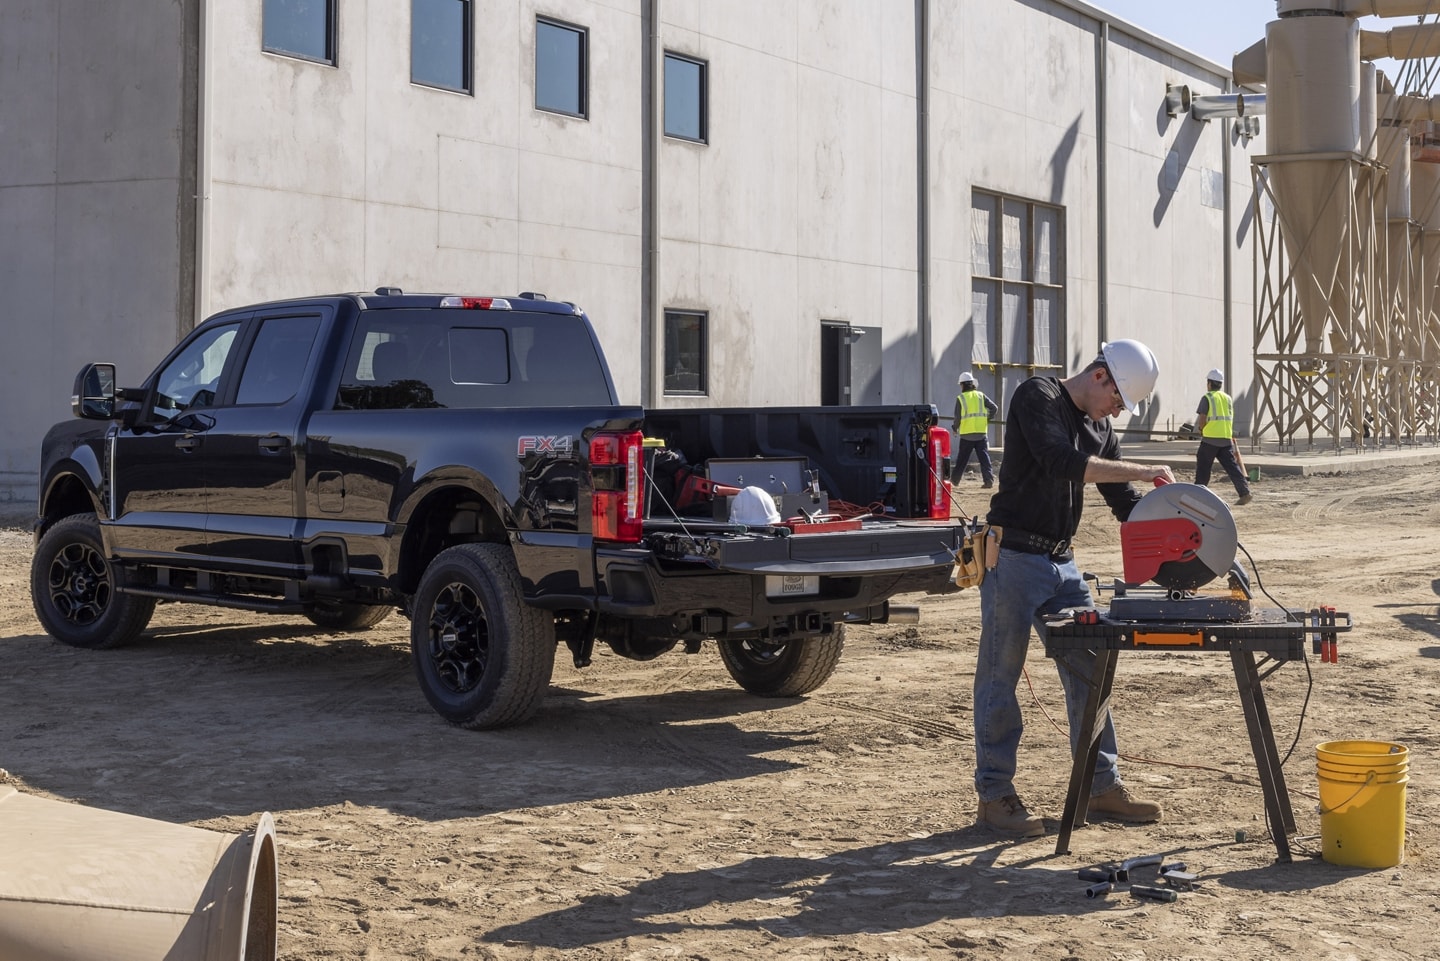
(1262, 744)
(1082, 768)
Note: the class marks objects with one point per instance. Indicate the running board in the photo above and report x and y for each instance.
(263, 605)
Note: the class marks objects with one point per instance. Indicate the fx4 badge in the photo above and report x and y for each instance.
(535, 444)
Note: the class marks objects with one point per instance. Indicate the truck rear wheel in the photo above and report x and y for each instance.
(73, 589)
(346, 615)
(482, 655)
(784, 670)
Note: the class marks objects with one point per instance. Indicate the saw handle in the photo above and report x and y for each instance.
(1160, 482)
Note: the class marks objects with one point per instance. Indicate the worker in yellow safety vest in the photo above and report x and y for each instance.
(973, 411)
(1216, 424)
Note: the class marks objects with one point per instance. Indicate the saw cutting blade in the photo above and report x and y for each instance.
(1206, 511)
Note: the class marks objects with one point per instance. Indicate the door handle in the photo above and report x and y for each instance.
(188, 442)
(274, 443)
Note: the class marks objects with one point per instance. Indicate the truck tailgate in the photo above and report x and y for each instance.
(879, 547)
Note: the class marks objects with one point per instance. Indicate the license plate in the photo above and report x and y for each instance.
(791, 585)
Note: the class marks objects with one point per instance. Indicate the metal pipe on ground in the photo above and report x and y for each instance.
(83, 884)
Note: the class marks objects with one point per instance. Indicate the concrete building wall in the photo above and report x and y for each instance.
(370, 179)
(1167, 237)
(1053, 132)
(801, 207)
(810, 201)
(95, 205)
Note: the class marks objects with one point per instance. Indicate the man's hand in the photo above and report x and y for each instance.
(1101, 471)
(1160, 473)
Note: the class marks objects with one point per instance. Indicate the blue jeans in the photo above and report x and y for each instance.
(981, 449)
(1013, 596)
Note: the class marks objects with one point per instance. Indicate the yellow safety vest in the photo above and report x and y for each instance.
(1219, 422)
(972, 402)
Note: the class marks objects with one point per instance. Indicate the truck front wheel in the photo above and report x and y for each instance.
(784, 670)
(482, 655)
(73, 589)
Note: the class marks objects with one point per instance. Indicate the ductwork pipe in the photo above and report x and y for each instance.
(1417, 42)
(1394, 145)
(82, 884)
(1401, 108)
(1368, 120)
(1314, 91)
(1249, 65)
(1358, 8)
(1227, 105)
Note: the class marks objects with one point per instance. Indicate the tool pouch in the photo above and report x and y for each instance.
(970, 561)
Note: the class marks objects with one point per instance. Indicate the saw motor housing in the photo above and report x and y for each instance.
(1181, 536)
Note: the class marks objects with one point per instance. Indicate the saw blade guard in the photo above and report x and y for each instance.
(1181, 536)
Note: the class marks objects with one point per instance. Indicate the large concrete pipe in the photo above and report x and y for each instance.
(1313, 106)
(82, 884)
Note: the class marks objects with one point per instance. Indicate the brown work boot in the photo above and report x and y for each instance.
(1244, 499)
(1008, 816)
(1118, 805)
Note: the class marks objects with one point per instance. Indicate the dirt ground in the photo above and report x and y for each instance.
(654, 810)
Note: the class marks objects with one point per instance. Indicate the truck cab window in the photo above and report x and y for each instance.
(192, 378)
(276, 365)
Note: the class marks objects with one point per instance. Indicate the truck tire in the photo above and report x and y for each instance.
(788, 670)
(72, 587)
(482, 655)
(346, 615)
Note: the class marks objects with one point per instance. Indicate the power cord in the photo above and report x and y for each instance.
(1141, 759)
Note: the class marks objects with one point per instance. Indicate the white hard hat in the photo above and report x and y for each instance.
(967, 378)
(753, 507)
(1216, 375)
(1133, 369)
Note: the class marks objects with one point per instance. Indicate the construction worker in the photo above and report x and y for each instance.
(973, 411)
(1217, 436)
(1058, 438)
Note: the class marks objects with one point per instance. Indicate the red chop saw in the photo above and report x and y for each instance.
(1180, 537)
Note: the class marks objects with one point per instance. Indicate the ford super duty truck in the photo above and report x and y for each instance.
(465, 461)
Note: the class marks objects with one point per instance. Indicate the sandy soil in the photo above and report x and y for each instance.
(653, 810)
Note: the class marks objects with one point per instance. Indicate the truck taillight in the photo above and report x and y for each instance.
(938, 473)
(616, 473)
(476, 303)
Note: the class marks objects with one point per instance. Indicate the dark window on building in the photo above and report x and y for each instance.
(685, 354)
(440, 44)
(300, 28)
(684, 98)
(560, 67)
(1017, 292)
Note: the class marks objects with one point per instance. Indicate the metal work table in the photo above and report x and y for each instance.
(1258, 646)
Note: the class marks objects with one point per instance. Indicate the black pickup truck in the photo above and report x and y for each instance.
(465, 460)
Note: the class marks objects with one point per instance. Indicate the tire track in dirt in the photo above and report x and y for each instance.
(1403, 498)
(918, 724)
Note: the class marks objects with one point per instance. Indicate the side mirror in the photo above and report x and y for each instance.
(94, 395)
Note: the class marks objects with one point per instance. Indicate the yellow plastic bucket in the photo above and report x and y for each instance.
(1362, 802)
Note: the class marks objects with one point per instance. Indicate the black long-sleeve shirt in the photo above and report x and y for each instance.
(1048, 441)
